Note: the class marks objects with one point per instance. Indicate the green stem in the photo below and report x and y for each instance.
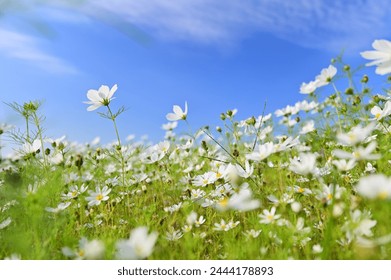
(338, 114)
(27, 130)
(36, 122)
(112, 117)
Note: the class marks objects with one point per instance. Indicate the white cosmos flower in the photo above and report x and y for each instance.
(307, 88)
(139, 245)
(155, 152)
(381, 56)
(224, 226)
(381, 113)
(328, 192)
(101, 97)
(261, 152)
(286, 144)
(178, 114)
(324, 78)
(326, 75)
(97, 196)
(308, 127)
(269, 216)
(33, 147)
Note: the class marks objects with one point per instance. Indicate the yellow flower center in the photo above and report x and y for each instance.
(99, 197)
(270, 217)
(377, 116)
(329, 196)
(382, 195)
(224, 202)
(356, 154)
(218, 175)
(300, 190)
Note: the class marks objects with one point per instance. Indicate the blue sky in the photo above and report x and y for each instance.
(216, 55)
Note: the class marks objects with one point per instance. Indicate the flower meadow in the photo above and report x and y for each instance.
(308, 181)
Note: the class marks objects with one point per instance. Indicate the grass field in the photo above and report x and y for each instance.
(309, 182)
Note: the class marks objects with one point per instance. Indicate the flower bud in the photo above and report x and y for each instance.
(365, 79)
(223, 116)
(204, 146)
(356, 100)
(349, 91)
(251, 121)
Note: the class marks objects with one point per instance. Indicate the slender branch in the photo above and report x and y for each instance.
(259, 128)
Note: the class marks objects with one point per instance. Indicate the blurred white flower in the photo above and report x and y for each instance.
(375, 186)
(381, 56)
(304, 164)
(317, 249)
(241, 201)
(139, 245)
(87, 250)
(101, 97)
(60, 207)
(356, 135)
(191, 218)
(173, 208)
(170, 125)
(296, 207)
(252, 233)
(5, 223)
(359, 153)
(308, 127)
(344, 165)
(178, 114)
(307, 88)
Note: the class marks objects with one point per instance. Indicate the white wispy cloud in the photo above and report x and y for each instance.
(28, 48)
(320, 24)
